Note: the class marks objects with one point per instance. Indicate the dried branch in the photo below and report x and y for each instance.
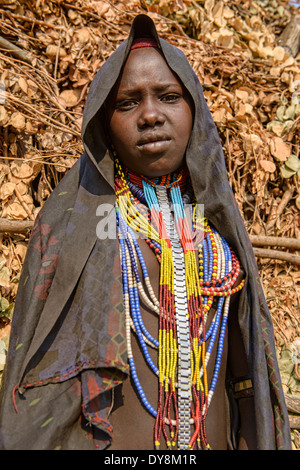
(15, 226)
(292, 403)
(290, 37)
(31, 20)
(294, 422)
(287, 196)
(292, 243)
(42, 116)
(14, 50)
(274, 254)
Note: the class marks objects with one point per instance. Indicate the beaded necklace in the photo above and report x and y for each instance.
(186, 294)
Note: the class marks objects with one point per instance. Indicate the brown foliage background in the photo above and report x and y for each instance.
(252, 86)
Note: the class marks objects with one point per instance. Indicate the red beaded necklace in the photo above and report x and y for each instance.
(201, 287)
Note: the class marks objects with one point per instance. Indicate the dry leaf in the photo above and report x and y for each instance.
(17, 120)
(52, 51)
(242, 95)
(219, 115)
(14, 210)
(3, 116)
(279, 53)
(268, 166)
(20, 250)
(238, 24)
(251, 142)
(69, 98)
(7, 190)
(5, 331)
(23, 84)
(5, 274)
(279, 149)
(21, 170)
(22, 188)
(293, 163)
(275, 127)
(83, 35)
(275, 71)
(218, 14)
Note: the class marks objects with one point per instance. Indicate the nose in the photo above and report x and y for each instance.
(150, 114)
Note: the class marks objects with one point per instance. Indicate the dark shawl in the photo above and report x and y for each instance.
(67, 348)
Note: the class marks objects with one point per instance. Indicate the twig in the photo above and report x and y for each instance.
(31, 20)
(292, 243)
(15, 226)
(83, 91)
(23, 203)
(21, 200)
(294, 422)
(39, 71)
(274, 254)
(20, 226)
(14, 50)
(292, 403)
(287, 196)
(53, 97)
(296, 371)
(83, 11)
(44, 162)
(57, 56)
(43, 117)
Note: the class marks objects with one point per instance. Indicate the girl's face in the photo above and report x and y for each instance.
(150, 115)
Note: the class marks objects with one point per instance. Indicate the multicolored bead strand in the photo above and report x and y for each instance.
(185, 340)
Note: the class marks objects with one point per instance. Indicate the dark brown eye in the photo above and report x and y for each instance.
(171, 97)
(126, 105)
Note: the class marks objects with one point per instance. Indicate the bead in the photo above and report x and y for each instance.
(138, 210)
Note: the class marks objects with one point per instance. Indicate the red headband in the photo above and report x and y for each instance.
(143, 42)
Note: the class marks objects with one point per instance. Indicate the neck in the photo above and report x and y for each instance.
(179, 177)
(127, 180)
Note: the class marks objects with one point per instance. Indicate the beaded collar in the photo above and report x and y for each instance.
(186, 294)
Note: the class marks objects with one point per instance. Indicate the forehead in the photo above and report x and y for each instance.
(146, 66)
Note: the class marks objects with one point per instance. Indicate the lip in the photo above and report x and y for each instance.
(154, 143)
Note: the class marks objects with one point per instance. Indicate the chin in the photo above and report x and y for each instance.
(156, 174)
(161, 170)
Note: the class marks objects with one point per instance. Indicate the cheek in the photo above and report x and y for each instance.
(120, 131)
(185, 125)
(113, 129)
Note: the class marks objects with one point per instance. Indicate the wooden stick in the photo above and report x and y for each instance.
(23, 204)
(289, 39)
(294, 422)
(41, 116)
(292, 403)
(15, 226)
(14, 50)
(274, 254)
(287, 196)
(259, 240)
(32, 20)
(20, 226)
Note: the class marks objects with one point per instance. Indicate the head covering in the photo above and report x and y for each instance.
(67, 344)
(139, 43)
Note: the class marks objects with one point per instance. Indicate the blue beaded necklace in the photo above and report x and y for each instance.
(216, 281)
